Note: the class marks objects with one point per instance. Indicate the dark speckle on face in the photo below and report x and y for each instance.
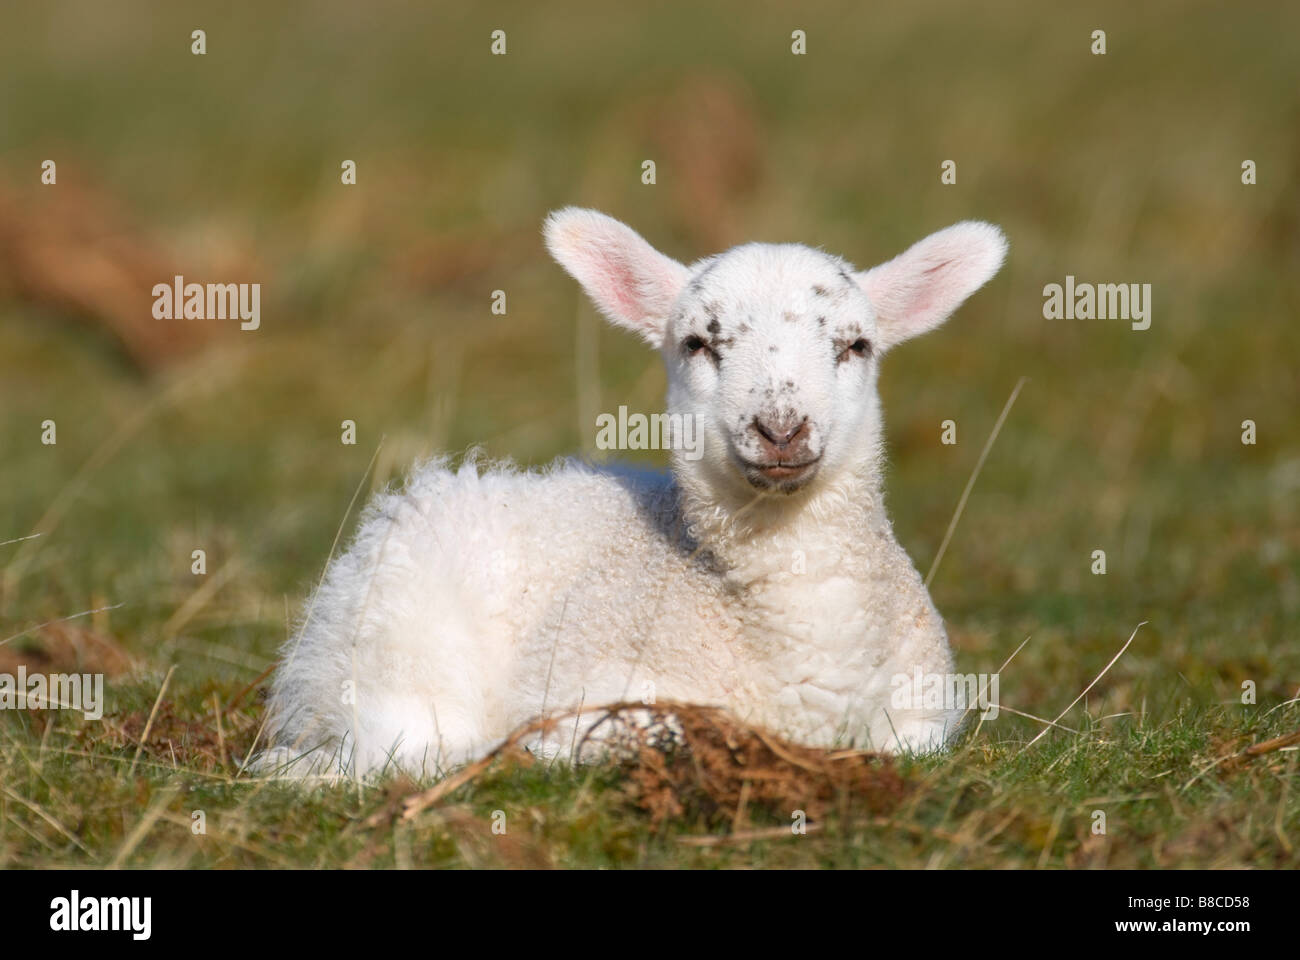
(716, 340)
(821, 321)
(773, 348)
(848, 335)
(819, 290)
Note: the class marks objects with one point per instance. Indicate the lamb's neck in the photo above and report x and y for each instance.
(830, 530)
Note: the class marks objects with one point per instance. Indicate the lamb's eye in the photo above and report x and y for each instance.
(693, 345)
(859, 348)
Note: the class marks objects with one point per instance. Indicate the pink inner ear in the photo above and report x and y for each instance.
(912, 299)
(637, 293)
(920, 288)
(621, 289)
(937, 287)
(633, 284)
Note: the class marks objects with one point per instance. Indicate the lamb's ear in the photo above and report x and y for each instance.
(921, 287)
(631, 282)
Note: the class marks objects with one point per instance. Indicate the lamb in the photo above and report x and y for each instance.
(760, 574)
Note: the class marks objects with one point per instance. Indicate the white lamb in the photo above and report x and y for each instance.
(762, 576)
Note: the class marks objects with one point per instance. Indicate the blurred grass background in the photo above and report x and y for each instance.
(375, 297)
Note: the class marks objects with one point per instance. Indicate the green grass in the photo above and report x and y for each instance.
(1121, 168)
(1170, 797)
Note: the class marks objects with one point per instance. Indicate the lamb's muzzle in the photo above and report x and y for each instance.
(787, 462)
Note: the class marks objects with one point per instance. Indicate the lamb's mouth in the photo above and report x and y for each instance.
(783, 476)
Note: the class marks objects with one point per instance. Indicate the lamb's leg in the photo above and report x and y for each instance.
(398, 671)
(407, 731)
(430, 699)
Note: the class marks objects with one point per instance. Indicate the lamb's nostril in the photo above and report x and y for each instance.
(780, 434)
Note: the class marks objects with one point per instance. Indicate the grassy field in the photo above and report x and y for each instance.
(376, 301)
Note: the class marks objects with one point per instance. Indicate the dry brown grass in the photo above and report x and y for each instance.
(699, 763)
(73, 250)
(176, 740)
(65, 647)
(701, 760)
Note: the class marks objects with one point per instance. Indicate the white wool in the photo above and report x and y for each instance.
(763, 577)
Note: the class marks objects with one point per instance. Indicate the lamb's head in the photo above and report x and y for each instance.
(773, 349)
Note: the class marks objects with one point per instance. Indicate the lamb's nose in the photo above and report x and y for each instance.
(780, 434)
